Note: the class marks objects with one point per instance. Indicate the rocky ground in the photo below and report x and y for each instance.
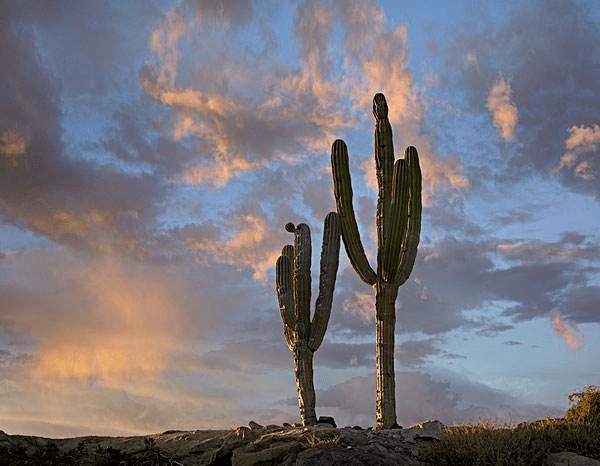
(249, 445)
(252, 445)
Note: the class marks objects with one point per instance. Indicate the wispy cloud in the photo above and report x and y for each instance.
(501, 106)
(583, 147)
(574, 338)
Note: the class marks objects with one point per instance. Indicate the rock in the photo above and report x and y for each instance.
(287, 424)
(428, 430)
(273, 428)
(357, 428)
(255, 425)
(324, 425)
(247, 456)
(327, 420)
(220, 457)
(567, 458)
(245, 433)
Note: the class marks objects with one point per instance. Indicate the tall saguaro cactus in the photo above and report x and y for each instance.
(398, 232)
(293, 282)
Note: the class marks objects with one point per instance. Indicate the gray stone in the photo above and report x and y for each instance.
(428, 430)
(567, 458)
(246, 456)
(325, 425)
(255, 425)
(326, 420)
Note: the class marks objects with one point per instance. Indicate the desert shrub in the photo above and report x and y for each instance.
(527, 443)
(585, 406)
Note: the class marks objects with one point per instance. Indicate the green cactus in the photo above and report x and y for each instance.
(293, 284)
(398, 232)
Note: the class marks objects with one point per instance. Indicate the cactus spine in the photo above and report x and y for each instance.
(293, 282)
(398, 232)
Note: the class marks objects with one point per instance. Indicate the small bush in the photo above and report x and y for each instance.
(527, 443)
(585, 406)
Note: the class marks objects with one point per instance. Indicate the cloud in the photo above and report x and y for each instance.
(503, 110)
(104, 321)
(574, 338)
(414, 353)
(12, 146)
(69, 199)
(543, 251)
(583, 143)
(448, 396)
(542, 46)
(253, 245)
(290, 113)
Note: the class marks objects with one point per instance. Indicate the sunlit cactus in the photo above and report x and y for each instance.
(398, 232)
(293, 283)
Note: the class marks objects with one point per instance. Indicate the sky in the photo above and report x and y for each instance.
(151, 153)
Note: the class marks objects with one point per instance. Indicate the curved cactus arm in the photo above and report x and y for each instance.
(330, 255)
(384, 164)
(288, 250)
(283, 276)
(413, 231)
(398, 221)
(301, 279)
(342, 189)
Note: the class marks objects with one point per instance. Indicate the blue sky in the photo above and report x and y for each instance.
(151, 153)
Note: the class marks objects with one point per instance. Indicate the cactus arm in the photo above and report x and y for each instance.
(398, 221)
(283, 274)
(384, 163)
(342, 188)
(330, 253)
(288, 250)
(301, 279)
(413, 231)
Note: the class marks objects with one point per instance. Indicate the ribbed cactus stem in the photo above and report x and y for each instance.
(413, 229)
(398, 220)
(301, 274)
(342, 188)
(283, 276)
(330, 253)
(293, 284)
(384, 163)
(398, 232)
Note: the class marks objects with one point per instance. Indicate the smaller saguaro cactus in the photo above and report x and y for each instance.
(293, 282)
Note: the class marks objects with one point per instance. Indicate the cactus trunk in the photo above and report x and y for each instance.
(303, 365)
(385, 304)
(304, 336)
(398, 231)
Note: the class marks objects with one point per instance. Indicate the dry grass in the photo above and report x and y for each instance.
(527, 443)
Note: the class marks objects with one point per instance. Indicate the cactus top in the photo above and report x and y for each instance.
(380, 108)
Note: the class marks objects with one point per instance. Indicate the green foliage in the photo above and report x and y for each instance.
(585, 406)
(527, 443)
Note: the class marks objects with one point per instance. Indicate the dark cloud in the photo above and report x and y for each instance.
(543, 51)
(582, 304)
(511, 343)
(48, 190)
(414, 353)
(453, 275)
(571, 247)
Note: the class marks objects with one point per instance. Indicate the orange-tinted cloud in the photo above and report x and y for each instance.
(501, 106)
(583, 143)
(574, 338)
